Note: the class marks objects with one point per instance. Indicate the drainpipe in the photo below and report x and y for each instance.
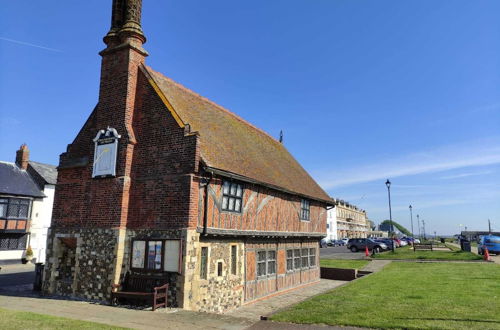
(205, 213)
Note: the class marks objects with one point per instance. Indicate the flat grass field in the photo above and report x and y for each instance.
(408, 253)
(10, 320)
(410, 295)
(343, 263)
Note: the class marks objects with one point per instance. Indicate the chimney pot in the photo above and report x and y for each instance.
(23, 156)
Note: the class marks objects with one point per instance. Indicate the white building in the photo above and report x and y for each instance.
(331, 224)
(26, 200)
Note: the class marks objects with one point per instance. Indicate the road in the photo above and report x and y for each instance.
(17, 274)
(340, 252)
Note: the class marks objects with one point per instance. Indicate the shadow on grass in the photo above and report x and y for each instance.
(446, 319)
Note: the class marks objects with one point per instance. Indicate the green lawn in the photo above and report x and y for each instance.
(410, 295)
(338, 263)
(25, 320)
(408, 253)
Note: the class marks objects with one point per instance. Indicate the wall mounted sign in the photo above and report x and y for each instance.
(106, 146)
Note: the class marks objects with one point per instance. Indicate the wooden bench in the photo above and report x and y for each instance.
(145, 288)
(422, 247)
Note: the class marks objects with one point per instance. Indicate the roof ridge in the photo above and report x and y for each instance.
(215, 104)
(32, 161)
(6, 162)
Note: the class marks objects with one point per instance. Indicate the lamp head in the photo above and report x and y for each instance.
(388, 183)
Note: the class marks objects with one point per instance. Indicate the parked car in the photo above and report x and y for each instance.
(397, 241)
(357, 244)
(323, 243)
(490, 242)
(403, 242)
(338, 242)
(345, 240)
(387, 241)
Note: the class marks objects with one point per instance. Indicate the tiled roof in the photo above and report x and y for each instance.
(46, 171)
(14, 181)
(231, 144)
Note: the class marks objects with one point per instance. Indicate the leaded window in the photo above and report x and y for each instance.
(289, 260)
(305, 211)
(296, 258)
(305, 258)
(232, 196)
(261, 263)
(13, 241)
(271, 262)
(4, 202)
(204, 263)
(14, 208)
(312, 257)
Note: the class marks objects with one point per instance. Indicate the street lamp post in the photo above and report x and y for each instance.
(418, 225)
(388, 184)
(411, 218)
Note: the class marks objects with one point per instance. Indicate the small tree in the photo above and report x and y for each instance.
(29, 252)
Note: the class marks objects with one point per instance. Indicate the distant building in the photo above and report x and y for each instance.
(331, 224)
(474, 235)
(352, 222)
(26, 199)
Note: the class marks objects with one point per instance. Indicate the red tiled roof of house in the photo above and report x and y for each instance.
(231, 144)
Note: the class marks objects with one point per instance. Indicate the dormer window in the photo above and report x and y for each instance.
(232, 196)
(305, 210)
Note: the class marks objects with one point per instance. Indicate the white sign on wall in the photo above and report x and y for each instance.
(105, 152)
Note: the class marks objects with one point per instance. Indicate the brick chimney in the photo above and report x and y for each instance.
(23, 156)
(120, 63)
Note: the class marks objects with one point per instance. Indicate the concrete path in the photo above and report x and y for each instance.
(376, 265)
(494, 258)
(129, 318)
(273, 304)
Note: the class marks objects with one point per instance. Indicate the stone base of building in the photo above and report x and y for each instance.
(215, 274)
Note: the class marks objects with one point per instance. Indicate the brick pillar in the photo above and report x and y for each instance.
(22, 157)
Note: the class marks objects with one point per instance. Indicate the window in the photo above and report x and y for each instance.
(289, 260)
(4, 203)
(232, 196)
(14, 208)
(13, 241)
(304, 209)
(234, 251)
(261, 263)
(312, 257)
(204, 263)
(219, 268)
(271, 262)
(156, 255)
(296, 259)
(305, 258)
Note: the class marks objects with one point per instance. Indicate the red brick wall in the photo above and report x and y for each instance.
(165, 157)
(154, 186)
(278, 211)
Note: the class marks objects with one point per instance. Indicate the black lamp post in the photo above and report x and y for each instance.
(388, 184)
(411, 219)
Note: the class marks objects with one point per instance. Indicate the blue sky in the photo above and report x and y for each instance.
(363, 90)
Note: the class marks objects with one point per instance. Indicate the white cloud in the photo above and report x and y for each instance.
(30, 45)
(476, 153)
(464, 175)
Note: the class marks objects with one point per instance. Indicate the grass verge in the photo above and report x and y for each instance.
(408, 253)
(411, 296)
(10, 320)
(343, 263)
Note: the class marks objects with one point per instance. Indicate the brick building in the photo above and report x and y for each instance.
(160, 180)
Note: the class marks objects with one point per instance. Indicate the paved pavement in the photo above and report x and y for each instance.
(17, 274)
(17, 295)
(272, 305)
(376, 265)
